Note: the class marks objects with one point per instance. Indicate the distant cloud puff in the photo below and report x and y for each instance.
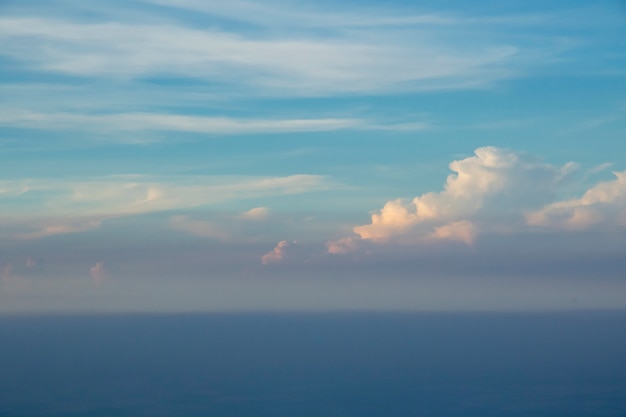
(343, 246)
(279, 253)
(98, 272)
(257, 213)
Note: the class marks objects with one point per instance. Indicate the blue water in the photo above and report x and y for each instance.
(315, 365)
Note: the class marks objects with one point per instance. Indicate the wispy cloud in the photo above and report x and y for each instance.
(169, 122)
(52, 207)
(302, 64)
(135, 122)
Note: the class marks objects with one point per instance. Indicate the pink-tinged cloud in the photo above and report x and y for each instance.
(98, 272)
(462, 231)
(343, 246)
(603, 204)
(279, 253)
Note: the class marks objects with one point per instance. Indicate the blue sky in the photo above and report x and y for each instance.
(199, 155)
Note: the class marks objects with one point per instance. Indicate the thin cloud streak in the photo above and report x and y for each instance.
(192, 124)
(169, 122)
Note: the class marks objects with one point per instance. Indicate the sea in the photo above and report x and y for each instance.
(341, 364)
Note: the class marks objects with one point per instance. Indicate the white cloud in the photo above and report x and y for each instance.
(279, 253)
(600, 168)
(257, 213)
(602, 205)
(307, 64)
(172, 122)
(494, 180)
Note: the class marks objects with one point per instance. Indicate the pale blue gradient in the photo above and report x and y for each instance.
(139, 133)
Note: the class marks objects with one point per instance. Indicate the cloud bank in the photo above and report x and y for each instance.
(494, 191)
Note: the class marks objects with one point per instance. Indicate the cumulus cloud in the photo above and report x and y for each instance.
(279, 253)
(603, 204)
(494, 183)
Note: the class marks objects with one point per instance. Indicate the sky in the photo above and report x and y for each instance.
(188, 155)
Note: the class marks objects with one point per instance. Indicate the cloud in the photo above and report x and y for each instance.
(493, 184)
(257, 213)
(279, 254)
(51, 207)
(371, 60)
(98, 273)
(32, 263)
(173, 122)
(283, 15)
(600, 168)
(343, 245)
(43, 228)
(603, 205)
(463, 231)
